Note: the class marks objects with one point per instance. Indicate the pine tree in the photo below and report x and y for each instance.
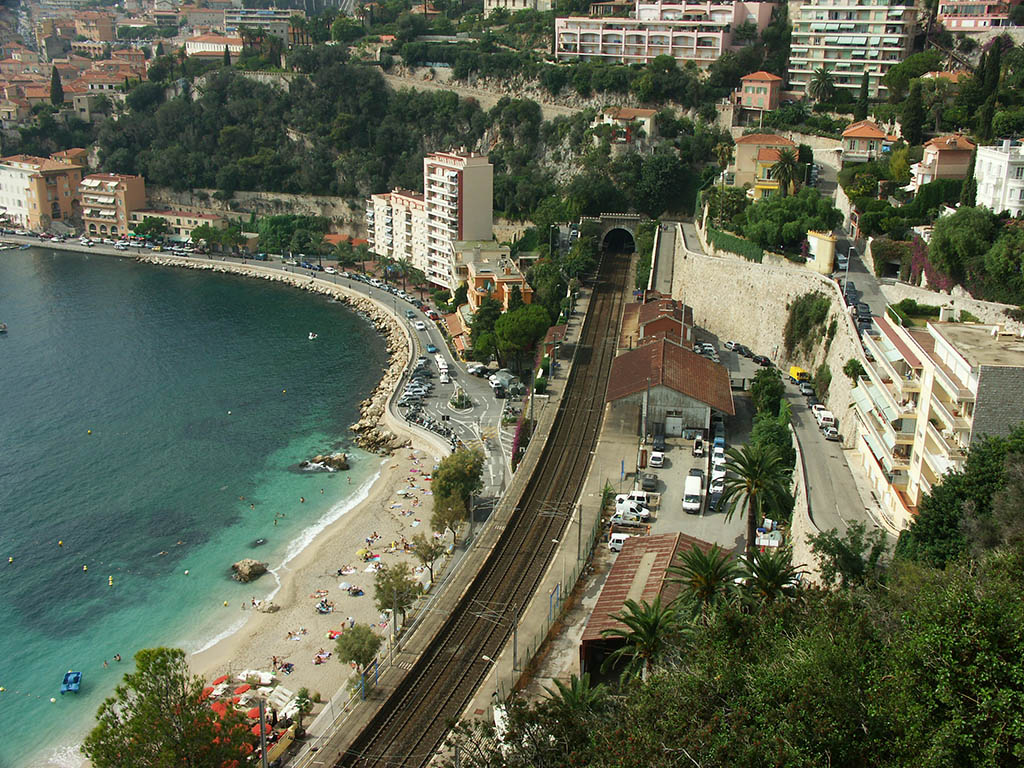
(227, 57)
(860, 110)
(56, 88)
(993, 64)
(160, 48)
(969, 189)
(913, 115)
(983, 127)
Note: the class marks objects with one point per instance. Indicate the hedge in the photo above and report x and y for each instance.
(737, 245)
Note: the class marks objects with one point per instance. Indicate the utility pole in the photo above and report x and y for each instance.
(263, 735)
(515, 637)
(579, 532)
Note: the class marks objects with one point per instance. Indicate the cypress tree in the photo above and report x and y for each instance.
(993, 64)
(969, 189)
(160, 48)
(984, 123)
(227, 57)
(913, 115)
(56, 88)
(860, 110)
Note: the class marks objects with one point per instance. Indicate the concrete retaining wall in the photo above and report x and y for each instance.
(749, 303)
(986, 311)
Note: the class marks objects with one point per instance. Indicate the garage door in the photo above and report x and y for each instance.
(674, 426)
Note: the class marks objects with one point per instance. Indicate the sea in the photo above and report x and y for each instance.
(152, 421)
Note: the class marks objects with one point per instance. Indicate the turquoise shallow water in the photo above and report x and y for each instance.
(202, 392)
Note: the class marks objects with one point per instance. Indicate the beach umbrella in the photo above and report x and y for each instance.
(361, 552)
(236, 699)
(243, 688)
(219, 680)
(219, 707)
(266, 729)
(253, 714)
(344, 585)
(206, 693)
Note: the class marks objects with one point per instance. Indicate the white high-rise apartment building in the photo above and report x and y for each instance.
(456, 204)
(850, 38)
(999, 172)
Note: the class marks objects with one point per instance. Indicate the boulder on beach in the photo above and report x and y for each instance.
(247, 570)
(267, 606)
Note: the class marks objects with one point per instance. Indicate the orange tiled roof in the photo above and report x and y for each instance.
(952, 141)
(767, 155)
(865, 129)
(629, 113)
(762, 76)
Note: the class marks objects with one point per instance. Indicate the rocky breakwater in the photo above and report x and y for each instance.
(247, 570)
(370, 433)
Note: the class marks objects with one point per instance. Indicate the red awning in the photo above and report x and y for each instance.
(267, 729)
(243, 688)
(253, 714)
(219, 680)
(205, 694)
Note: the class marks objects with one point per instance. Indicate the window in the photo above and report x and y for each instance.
(1018, 172)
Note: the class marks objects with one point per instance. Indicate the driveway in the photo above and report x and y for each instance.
(868, 289)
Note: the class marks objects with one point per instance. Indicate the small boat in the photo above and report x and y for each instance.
(24, 247)
(3, 327)
(312, 335)
(72, 682)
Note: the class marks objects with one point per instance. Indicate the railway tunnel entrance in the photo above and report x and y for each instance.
(619, 240)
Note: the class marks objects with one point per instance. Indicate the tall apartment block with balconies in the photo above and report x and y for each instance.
(850, 38)
(108, 201)
(686, 31)
(974, 16)
(455, 205)
(999, 172)
(928, 395)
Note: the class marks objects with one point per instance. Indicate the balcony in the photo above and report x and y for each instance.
(950, 414)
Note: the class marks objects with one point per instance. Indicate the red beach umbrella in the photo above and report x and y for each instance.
(243, 688)
(236, 699)
(253, 714)
(266, 729)
(220, 680)
(206, 693)
(219, 707)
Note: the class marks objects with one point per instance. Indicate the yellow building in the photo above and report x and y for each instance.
(752, 156)
(35, 191)
(180, 223)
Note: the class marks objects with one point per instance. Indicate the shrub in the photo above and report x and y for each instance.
(853, 369)
(822, 380)
(737, 245)
(806, 316)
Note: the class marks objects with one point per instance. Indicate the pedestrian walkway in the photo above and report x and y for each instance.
(664, 262)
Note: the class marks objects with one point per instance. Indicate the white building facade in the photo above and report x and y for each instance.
(851, 40)
(999, 173)
(14, 189)
(456, 204)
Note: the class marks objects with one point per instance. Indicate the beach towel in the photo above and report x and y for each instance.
(414, 523)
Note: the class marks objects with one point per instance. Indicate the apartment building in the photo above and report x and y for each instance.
(273, 21)
(108, 200)
(35, 191)
(686, 31)
(455, 205)
(851, 40)
(397, 225)
(94, 25)
(928, 395)
(999, 171)
(213, 45)
(179, 223)
(945, 157)
(972, 16)
(197, 16)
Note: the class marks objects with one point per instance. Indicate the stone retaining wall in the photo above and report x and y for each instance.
(749, 303)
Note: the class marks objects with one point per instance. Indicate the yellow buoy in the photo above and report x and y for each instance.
(2, 689)
(60, 543)
(283, 391)
(225, 603)
(88, 431)
(85, 567)
(110, 581)
(53, 700)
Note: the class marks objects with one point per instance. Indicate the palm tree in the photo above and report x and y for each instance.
(755, 483)
(707, 578)
(786, 170)
(822, 86)
(647, 626)
(577, 698)
(771, 574)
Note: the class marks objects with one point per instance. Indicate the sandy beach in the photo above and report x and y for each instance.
(314, 574)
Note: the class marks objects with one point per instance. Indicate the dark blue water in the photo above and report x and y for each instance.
(142, 411)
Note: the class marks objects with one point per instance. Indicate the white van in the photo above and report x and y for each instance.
(638, 497)
(825, 418)
(631, 513)
(692, 495)
(443, 376)
(616, 540)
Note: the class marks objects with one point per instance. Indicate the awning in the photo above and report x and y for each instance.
(861, 398)
(881, 404)
(876, 449)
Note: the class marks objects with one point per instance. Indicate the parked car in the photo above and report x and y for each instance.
(657, 459)
(431, 348)
(763, 361)
(649, 481)
(659, 443)
(744, 350)
(806, 389)
(831, 433)
(731, 345)
(698, 446)
(713, 498)
(863, 310)
(420, 325)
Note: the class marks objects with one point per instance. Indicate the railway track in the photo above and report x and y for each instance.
(413, 722)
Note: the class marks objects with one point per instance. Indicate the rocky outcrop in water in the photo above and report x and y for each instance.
(329, 462)
(247, 570)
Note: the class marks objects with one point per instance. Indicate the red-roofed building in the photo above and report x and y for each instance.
(630, 123)
(760, 91)
(665, 388)
(864, 141)
(13, 111)
(35, 191)
(749, 161)
(945, 157)
(108, 201)
(659, 317)
(639, 573)
(179, 223)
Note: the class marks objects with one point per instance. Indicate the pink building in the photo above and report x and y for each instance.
(974, 16)
(759, 90)
(699, 32)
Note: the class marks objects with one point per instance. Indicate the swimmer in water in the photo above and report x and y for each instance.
(302, 499)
